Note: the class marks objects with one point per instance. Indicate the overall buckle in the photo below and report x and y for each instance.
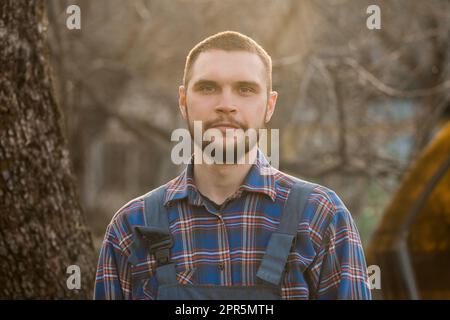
(158, 243)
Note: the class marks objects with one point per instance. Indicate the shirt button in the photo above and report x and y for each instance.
(221, 267)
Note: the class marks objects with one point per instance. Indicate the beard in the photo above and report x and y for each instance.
(227, 145)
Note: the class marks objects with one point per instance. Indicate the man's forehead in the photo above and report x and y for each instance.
(228, 65)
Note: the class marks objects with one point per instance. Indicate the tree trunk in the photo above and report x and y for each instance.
(42, 229)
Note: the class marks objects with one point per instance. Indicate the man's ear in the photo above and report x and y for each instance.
(182, 100)
(271, 105)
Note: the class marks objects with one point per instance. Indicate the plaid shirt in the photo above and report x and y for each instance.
(225, 245)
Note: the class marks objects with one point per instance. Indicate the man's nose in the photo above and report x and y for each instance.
(226, 104)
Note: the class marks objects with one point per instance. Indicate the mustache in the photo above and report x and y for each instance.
(231, 121)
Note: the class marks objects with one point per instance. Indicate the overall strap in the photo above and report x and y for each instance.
(280, 242)
(155, 234)
(155, 214)
(160, 241)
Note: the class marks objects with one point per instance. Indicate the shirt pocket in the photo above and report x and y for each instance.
(185, 276)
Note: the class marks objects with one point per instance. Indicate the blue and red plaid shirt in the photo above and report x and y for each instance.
(224, 245)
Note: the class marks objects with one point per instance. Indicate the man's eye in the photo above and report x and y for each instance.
(207, 89)
(245, 90)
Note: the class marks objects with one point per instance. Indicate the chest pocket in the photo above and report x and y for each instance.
(145, 286)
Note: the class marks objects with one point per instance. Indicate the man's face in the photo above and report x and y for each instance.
(227, 90)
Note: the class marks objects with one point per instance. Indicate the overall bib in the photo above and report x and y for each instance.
(158, 240)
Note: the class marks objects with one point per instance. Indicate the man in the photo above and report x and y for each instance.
(221, 230)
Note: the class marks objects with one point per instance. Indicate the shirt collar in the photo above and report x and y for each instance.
(260, 179)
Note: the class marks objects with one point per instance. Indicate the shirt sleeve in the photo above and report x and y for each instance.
(340, 266)
(112, 280)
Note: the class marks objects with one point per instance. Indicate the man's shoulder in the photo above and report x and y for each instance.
(286, 181)
(323, 203)
(132, 213)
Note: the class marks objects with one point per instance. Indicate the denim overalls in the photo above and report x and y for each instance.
(158, 240)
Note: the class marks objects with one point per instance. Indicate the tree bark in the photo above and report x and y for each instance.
(42, 228)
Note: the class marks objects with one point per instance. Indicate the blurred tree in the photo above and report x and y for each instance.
(355, 108)
(42, 229)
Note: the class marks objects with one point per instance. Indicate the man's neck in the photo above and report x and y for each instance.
(220, 181)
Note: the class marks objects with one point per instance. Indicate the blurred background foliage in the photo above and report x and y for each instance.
(356, 106)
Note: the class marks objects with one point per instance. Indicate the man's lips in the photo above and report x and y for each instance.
(224, 126)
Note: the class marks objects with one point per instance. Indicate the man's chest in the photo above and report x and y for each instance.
(224, 247)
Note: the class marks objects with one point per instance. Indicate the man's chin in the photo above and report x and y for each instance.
(231, 153)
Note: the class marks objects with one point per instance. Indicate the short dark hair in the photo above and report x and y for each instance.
(228, 41)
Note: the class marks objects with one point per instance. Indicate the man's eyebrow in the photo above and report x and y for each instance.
(248, 84)
(204, 82)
